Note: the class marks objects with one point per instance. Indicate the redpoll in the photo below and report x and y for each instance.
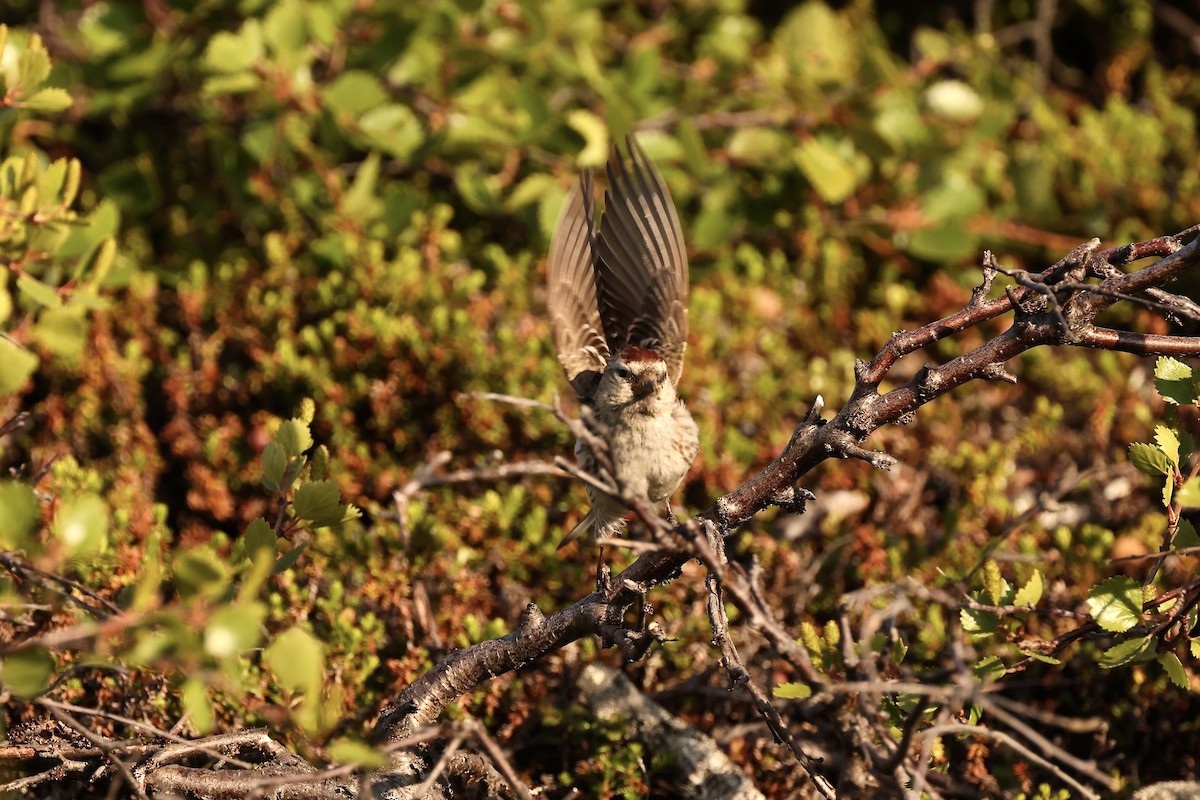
(618, 308)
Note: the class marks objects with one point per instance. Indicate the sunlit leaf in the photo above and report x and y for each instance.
(1168, 442)
(1116, 603)
(1031, 593)
(48, 101)
(1148, 459)
(1175, 671)
(1174, 381)
(793, 691)
(294, 437)
(1128, 652)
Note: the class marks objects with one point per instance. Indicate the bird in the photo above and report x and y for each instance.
(617, 298)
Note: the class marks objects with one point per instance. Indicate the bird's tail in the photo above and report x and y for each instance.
(583, 527)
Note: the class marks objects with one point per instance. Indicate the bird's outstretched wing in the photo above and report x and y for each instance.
(574, 310)
(641, 265)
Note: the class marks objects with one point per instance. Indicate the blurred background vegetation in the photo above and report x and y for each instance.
(350, 201)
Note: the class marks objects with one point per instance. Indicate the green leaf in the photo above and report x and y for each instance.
(98, 262)
(297, 659)
(359, 201)
(1167, 441)
(236, 83)
(1185, 536)
(63, 332)
(352, 751)
(235, 52)
(1187, 445)
(104, 221)
(274, 462)
(234, 629)
(285, 32)
(16, 365)
(793, 691)
(48, 101)
(194, 697)
(1128, 652)
(716, 222)
(294, 437)
(1171, 369)
(529, 191)
(318, 502)
(477, 189)
(818, 44)
(1194, 648)
(1170, 662)
(34, 64)
(1148, 459)
(295, 465)
(956, 198)
(978, 623)
(51, 182)
(354, 92)
(595, 137)
(1116, 604)
(1173, 380)
(38, 292)
(1031, 593)
(289, 558)
(26, 673)
(989, 669)
(1189, 493)
(82, 525)
(394, 129)
(19, 513)
(259, 536)
(831, 174)
(200, 571)
(948, 243)
(759, 145)
(1045, 659)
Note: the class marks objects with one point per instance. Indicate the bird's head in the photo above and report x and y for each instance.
(636, 380)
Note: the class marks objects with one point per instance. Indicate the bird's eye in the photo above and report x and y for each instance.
(622, 373)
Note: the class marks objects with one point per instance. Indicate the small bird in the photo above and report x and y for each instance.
(618, 309)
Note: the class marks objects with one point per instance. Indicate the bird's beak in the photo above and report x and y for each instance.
(645, 387)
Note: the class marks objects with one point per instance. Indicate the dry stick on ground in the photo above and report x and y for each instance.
(602, 613)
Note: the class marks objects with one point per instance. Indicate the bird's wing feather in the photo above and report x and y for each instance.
(574, 311)
(642, 270)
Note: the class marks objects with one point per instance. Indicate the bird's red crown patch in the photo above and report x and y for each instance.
(639, 354)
